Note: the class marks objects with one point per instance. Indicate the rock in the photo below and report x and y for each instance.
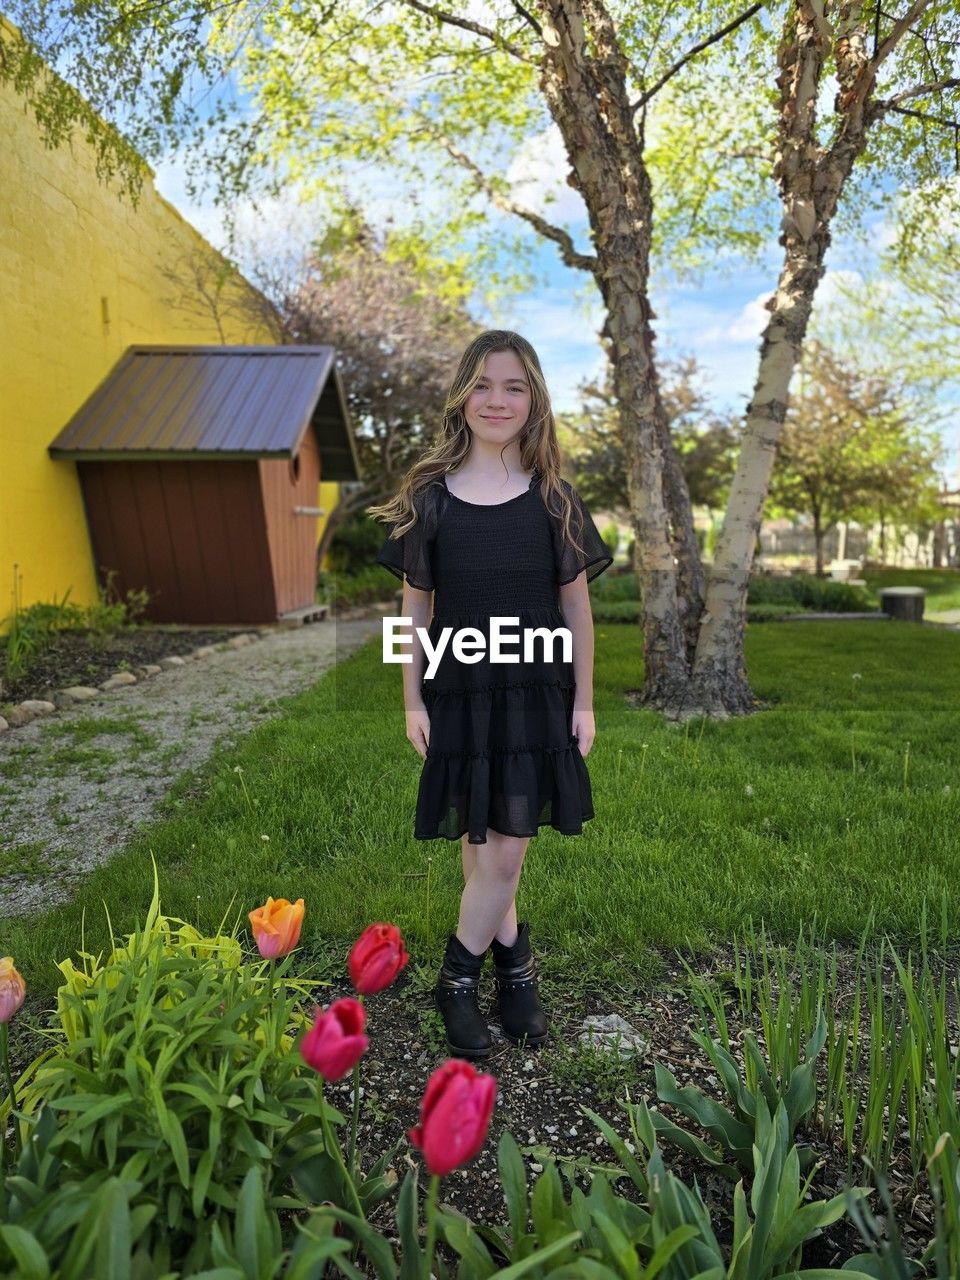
(238, 642)
(38, 706)
(602, 1032)
(29, 710)
(150, 669)
(205, 651)
(3, 724)
(118, 680)
(79, 693)
(168, 664)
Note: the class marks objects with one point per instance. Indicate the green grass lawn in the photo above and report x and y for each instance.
(842, 798)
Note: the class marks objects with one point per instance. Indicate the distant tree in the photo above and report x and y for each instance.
(397, 343)
(706, 441)
(853, 446)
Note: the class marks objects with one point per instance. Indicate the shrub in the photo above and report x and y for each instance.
(818, 594)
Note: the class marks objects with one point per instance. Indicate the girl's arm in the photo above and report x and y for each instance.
(578, 616)
(418, 606)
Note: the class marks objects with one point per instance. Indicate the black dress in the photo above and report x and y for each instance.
(501, 752)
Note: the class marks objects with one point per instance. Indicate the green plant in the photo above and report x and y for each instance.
(174, 1071)
(810, 592)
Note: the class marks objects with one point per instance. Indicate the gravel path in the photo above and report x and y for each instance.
(71, 797)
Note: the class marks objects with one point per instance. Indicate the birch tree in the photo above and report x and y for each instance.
(408, 85)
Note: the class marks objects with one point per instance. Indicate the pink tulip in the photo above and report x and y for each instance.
(454, 1115)
(376, 958)
(13, 989)
(336, 1042)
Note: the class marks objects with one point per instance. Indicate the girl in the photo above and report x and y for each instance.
(484, 521)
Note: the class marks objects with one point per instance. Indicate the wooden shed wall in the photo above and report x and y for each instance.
(194, 533)
(293, 538)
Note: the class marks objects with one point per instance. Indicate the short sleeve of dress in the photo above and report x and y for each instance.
(410, 556)
(595, 554)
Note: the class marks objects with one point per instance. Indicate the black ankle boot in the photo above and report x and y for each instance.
(521, 1013)
(468, 1035)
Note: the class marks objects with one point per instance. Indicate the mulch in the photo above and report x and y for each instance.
(84, 657)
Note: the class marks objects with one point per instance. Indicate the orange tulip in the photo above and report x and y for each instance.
(276, 926)
(13, 989)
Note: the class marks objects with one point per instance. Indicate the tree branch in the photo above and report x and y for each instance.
(571, 256)
(528, 18)
(698, 48)
(903, 24)
(477, 28)
(917, 91)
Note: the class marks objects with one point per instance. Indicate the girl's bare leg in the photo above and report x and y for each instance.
(488, 904)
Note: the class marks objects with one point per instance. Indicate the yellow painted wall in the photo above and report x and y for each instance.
(84, 276)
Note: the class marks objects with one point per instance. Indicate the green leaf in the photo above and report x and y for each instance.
(411, 1255)
(542, 1255)
(113, 1236)
(624, 1155)
(27, 1252)
(513, 1178)
(461, 1235)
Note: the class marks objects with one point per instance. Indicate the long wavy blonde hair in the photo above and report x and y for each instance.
(538, 438)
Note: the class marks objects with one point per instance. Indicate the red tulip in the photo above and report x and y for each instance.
(376, 958)
(454, 1115)
(336, 1043)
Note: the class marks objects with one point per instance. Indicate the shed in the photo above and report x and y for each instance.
(199, 468)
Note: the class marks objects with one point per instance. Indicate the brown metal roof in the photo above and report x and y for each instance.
(214, 402)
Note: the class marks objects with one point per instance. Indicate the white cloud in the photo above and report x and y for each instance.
(538, 173)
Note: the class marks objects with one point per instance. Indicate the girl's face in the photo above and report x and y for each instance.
(499, 404)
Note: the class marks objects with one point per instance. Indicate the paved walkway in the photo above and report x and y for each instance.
(70, 798)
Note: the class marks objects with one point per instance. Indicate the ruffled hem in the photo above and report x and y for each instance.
(514, 791)
(517, 835)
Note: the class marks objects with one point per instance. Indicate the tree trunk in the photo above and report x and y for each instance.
(720, 681)
(818, 536)
(588, 100)
(691, 586)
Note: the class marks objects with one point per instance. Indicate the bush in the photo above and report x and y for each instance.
(355, 543)
(819, 594)
(363, 586)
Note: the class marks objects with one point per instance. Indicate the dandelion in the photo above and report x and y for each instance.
(748, 790)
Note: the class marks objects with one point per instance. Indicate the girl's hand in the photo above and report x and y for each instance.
(584, 729)
(418, 730)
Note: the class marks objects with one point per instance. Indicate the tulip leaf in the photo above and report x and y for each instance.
(542, 1255)
(513, 1178)
(411, 1255)
(377, 1247)
(667, 1247)
(624, 1155)
(461, 1235)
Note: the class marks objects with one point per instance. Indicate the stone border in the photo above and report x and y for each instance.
(34, 708)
